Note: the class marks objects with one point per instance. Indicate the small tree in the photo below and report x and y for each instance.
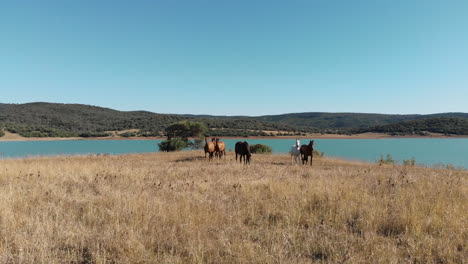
(178, 134)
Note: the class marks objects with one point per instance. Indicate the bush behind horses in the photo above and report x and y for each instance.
(260, 149)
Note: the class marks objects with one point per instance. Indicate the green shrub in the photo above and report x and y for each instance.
(196, 144)
(318, 153)
(260, 149)
(94, 134)
(2, 133)
(128, 134)
(42, 132)
(173, 144)
(388, 160)
(411, 162)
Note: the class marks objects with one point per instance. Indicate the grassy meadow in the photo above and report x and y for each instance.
(179, 208)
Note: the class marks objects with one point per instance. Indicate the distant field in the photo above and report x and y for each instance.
(179, 208)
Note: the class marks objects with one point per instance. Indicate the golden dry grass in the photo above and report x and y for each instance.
(178, 208)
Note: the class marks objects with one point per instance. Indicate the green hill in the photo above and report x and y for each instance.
(65, 120)
(340, 121)
(442, 125)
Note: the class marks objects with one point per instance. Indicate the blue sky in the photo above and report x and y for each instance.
(238, 57)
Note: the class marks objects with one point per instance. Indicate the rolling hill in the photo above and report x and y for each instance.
(65, 120)
(441, 125)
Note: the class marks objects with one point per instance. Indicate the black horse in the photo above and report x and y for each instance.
(243, 149)
(306, 151)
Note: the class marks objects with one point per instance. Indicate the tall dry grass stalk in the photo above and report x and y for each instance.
(179, 208)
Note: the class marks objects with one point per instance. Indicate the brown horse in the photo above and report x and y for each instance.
(220, 148)
(306, 151)
(209, 148)
(243, 149)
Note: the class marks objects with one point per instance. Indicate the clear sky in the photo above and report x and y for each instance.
(237, 57)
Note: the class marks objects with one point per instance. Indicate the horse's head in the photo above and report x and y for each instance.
(298, 143)
(249, 156)
(311, 144)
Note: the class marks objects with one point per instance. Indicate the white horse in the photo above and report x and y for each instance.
(295, 153)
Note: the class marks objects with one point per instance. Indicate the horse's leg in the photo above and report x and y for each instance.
(311, 158)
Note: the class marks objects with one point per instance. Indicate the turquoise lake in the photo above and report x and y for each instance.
(427, 151)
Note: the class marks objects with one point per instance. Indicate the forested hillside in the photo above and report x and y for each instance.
(442, 125)
(67, 120)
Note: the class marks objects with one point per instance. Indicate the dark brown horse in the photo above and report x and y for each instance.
(306, 151)
(243, 149)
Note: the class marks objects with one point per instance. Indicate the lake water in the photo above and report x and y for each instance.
(428, 151)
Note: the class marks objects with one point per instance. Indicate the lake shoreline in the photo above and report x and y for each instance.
(10, 137)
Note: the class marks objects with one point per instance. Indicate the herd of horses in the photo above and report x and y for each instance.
(216, 148)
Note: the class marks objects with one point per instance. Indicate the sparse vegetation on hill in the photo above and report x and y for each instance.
(442, 125)
(341, 122)
(178, 208)
(73, 120)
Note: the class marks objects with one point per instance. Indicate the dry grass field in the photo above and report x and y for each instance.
(179, 208)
